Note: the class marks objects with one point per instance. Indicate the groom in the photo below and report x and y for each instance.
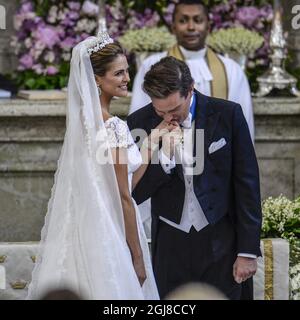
(206, 226)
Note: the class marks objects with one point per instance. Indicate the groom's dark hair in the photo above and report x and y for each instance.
(168, 76)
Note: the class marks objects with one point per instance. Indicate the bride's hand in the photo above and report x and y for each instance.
(159, 131)
(139, 267)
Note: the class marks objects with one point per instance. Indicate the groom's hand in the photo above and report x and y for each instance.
(244, 268)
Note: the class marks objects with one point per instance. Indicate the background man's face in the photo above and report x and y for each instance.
(190, 26)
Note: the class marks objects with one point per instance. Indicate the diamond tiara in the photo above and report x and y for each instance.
(100, 42)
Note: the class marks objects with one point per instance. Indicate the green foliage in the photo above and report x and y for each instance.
(281, 219)
(296, 73)
(28, 79)
(42, 7)
(252, 75)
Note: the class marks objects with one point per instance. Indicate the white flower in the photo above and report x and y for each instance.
(235, 40)
(66, 56)
(295, 282)
(15, 44)
(28, 43)
(90, 8)
(62, 14)
(86, 25)
(147, 39)
(38, 68)
(52, 14)
(49, 56)
(39, 45)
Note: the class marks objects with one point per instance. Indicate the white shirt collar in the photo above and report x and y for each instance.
(190, 55)
(197, 63)
(187, 123)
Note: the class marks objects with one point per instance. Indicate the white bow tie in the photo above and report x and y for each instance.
(187, 123)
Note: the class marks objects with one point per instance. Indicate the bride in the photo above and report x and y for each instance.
(93, 240)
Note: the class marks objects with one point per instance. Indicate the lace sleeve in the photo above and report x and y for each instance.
(118, 133)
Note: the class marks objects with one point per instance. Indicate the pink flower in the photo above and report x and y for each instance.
(248, 15)
(74, 5)
(26, 7)
(168, 13)
(73, 15)
(47, 35)
(68, 43)
(90, 8)
(18, 20)
(51, 70)
(38, 68)
(26, 61)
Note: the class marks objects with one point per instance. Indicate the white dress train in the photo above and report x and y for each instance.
(87, 252)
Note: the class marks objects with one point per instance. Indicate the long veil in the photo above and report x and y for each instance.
(83, 244)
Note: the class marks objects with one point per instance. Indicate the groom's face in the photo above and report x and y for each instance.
(173, 108)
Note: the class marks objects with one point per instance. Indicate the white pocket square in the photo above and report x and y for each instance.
(216, 145)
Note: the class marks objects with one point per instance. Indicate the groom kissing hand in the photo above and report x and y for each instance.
(205, 223)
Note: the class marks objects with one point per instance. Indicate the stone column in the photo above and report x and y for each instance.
(8, 61)
(101, 18)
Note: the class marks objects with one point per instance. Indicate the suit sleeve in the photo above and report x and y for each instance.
(154, 176)
(246, 187)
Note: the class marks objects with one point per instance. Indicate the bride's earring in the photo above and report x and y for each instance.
(99, 89)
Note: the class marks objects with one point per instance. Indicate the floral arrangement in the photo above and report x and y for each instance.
(147, 39)
(235, 40)
(281, 219)
(295, 282)
(252, 15)
(121, 16)
(46, 31)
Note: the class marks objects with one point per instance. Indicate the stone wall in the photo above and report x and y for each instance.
(31, 135)
(277, 144)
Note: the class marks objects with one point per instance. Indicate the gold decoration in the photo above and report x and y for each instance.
(2, 259)
(18, 285)
(219, 84)
(33, 258)
(269, 269)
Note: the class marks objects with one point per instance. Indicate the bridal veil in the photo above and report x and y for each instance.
(83, 245)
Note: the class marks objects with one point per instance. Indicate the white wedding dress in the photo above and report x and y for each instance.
(83, 244)
(96, 262)
(119, 136)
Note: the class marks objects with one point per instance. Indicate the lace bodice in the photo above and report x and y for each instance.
(119, 136)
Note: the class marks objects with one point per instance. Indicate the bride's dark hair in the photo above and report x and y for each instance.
(101, 59)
